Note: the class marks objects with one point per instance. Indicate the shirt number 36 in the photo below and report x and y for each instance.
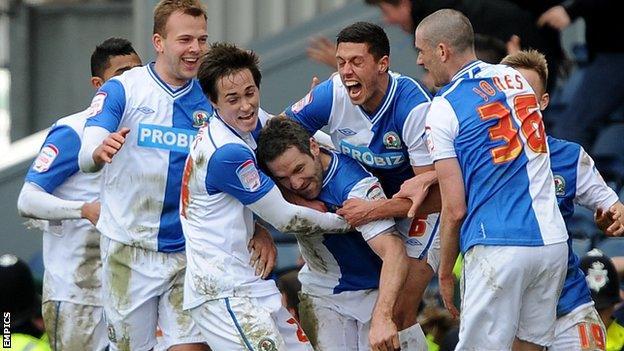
(532, 127)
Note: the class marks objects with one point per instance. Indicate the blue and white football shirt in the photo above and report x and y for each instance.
(220, 179)
(343, 262)
(387, 141)
(141, 187)
(577, 181)
(71, 248)
(488, 118)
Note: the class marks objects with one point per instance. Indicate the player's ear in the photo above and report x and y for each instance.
(314, 147)
(157, 41)
(97, 82)
(544, 100)
(383, 64)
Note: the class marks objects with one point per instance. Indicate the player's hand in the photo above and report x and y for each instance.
(447, 290)
(556, 17)
(322, 50)
(611, 222)
(513, 45)
(91, 211)
(416, 190)
(301, 201)
(357, 211)
(383, 334)
(315, 81)
(110, 146)
(263, 252)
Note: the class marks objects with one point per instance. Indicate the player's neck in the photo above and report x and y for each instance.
(460, 62)
(379, 93)
(326, 158)
(167, 76)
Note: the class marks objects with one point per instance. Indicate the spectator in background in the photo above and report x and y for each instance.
(601, 90)
(500, 19)
(20, 299)
(604, 285)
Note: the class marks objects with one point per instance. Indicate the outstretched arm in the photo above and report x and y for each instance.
(294, 219)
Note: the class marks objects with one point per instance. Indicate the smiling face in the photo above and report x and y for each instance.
(180, 48)
(238, 100)
(299, 172)
(365, 78)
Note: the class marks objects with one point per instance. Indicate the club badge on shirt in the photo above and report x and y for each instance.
(46, 156)
(248, 175)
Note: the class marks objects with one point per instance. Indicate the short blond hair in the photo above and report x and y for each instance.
(529, 59)
(165, 8)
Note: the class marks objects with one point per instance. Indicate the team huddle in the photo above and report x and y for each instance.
(157, 196)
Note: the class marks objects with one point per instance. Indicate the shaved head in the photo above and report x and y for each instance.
(450, 27)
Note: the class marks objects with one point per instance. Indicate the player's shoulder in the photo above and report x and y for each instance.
(409, 91)
(75, 121)
(347, 167)
(559, 144)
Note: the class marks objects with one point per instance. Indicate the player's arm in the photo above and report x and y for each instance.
(452, 216)
(101, 140)
(442, 129)
(593, 193)
(314, 109)
(232, 169)
(390, 248)
(56, 162)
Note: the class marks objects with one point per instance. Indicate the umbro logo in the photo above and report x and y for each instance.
(346, 131)
(146, 110)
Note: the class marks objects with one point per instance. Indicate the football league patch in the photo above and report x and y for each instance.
(428, 139)
(248, 175)
(46, 156)
(97, 104)
(375, 192)
(299, 105)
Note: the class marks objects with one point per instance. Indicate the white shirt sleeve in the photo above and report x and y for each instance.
(441, 129)
(370, 189)
(92, 137)
(294, 219)
(34, 202)
(591, 190)
(414, 136)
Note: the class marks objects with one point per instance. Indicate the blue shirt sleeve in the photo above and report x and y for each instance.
(57, 159)
(107, 106)
(313, 111)
(232, 169)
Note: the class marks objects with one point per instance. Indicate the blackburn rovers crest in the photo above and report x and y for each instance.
(200, 118)
(391, 140)
(559, 185)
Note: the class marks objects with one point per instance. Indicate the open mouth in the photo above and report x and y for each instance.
(249, 117)
(354, 88)
(190, 62)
